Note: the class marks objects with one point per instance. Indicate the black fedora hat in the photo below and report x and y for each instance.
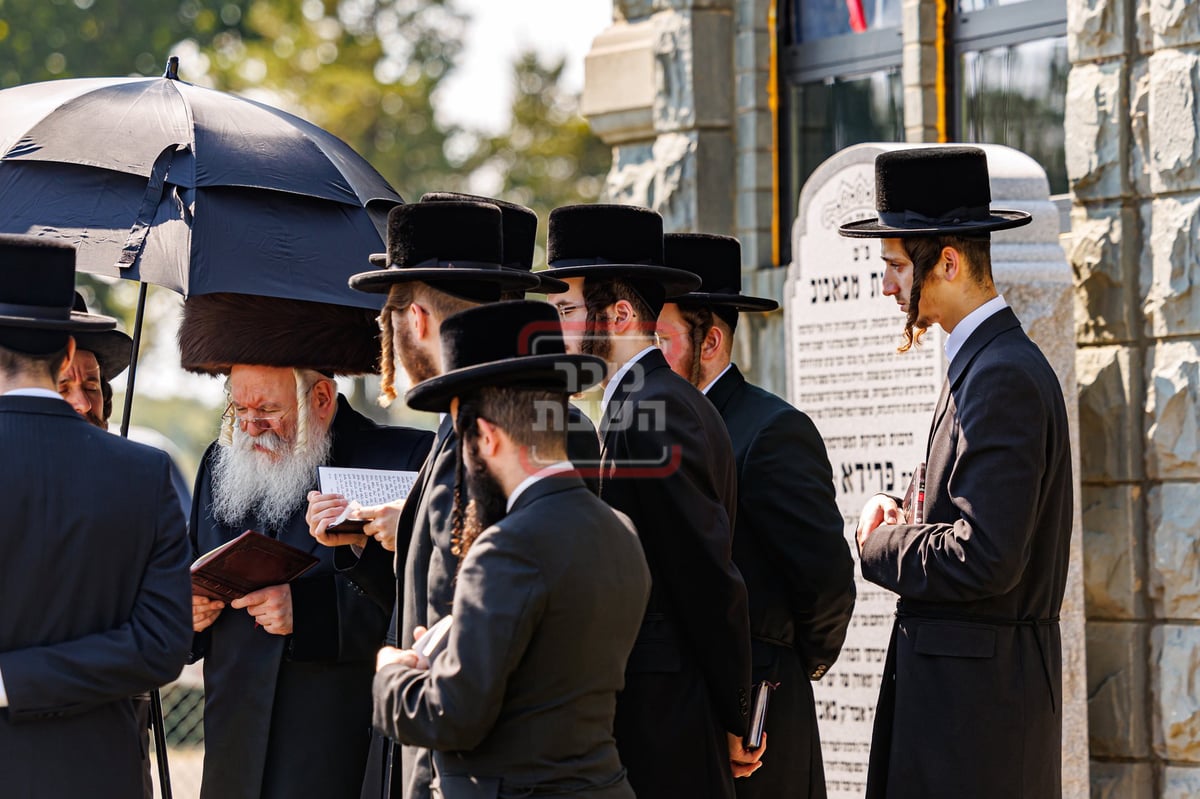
(456, 247)
(37, 294)
(613, 241)
(516, 344)
(112, 348)
(718, 262)
(933, 191)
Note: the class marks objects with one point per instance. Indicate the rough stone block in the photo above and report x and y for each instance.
(1175, 655)
(674, 100)
(751, 49)
(711, 59)
(1172, 23)
(754, 170)
(754, 209)
(918, 21)
(619, 83)
(754, 130)
(1170, 265)
(1095, 29)
(750, 89)
(1173, 408)
(1095, 134)
(751, 14)
(1105, 272)
(1139, 128)
(1110, 419)
(1174, 141)
(713, 201)
(1116, 688)
(1173, 517)
(1122, 780)
(1114, 582)
(659, 175)
(1181, 782)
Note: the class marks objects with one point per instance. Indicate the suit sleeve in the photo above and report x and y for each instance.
(690, 544)
(144, 652)
(373, 571)
(498, 604)
(995, 484)
(788, 502)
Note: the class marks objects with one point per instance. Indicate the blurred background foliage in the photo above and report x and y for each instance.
(366, 70)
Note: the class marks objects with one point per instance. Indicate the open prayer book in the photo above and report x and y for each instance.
(363, 488)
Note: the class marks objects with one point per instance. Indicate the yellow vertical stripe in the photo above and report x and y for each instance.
(943, 118)
(773, 105)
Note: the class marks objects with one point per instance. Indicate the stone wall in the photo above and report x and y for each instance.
(1133, 139)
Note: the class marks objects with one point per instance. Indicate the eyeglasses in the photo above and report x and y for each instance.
(265, 418)
(566, 310)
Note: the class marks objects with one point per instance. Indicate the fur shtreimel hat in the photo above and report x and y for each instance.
(933, 191)
(221, 330)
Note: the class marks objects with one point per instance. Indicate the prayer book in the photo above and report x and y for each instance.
(914, 498)
(247, 563)
(363, 487)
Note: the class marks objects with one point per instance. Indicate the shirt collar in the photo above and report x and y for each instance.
(548, 471)
(34, 392)
(611, 388)
(970, 323)
(713, 382)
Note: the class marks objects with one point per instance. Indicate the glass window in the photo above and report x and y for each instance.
(821, 19)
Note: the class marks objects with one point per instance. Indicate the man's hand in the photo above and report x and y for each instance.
(271, 608)
(382, 522)
(322, 510)
(880, 509)
(389, 655)
(743, 761)
(204, 612)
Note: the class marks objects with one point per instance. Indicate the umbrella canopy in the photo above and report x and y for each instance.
(164, 182)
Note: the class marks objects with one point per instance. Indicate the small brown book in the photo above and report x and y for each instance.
(247, 563)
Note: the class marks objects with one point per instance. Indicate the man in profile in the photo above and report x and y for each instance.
(287, 668)
(788, 540)
(93, 556)
(971, 699)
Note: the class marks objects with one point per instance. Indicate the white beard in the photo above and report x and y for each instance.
(247, 483)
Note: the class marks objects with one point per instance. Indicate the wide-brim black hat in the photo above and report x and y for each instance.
(516, 344)
(37, 295)
(457, 247)
(112, 348)
(613, 241)
(933, 191)
(718, 262)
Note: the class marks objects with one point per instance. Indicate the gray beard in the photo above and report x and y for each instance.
(249, 484)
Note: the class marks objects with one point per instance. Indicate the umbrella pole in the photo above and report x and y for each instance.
(156, 709)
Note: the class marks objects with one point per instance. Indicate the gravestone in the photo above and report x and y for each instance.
(873, 407)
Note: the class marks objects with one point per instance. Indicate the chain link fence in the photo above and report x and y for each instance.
(183, 714)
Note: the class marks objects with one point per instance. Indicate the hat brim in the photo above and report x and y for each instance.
(112, 349)
(569, 374)
(673, 281)
(874, 229)
(738, 302)
(546, 284)
(378, 281)
(77, 323)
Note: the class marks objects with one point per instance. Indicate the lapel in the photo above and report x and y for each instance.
(424, 476)
(616, 415)
(725, 388)
(1000, 322)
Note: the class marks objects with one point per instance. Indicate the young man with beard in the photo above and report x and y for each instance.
(287, 669)
(788, 540)
(93, 556)
(981, 578)
(551, 587)
(666, 461)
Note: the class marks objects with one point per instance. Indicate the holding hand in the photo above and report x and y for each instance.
(204, 612)
(390, 655)
(743, 761)
(322, 510)
(880, 509)
(382, 522)
(271, 608)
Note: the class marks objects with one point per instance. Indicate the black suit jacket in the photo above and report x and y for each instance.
(270, 699)
(790, 546)
(667, 463)
(522, 700)
(980, 582)
(96, 600)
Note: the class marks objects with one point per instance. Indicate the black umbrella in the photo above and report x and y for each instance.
(164, 182)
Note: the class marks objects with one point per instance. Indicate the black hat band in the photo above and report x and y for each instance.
(452, 263)
(963, 215)
(598, 261)
(49, 312)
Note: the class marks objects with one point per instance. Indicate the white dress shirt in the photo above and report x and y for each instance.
(549, 471)
(970, 323)
(611, 388)
(713, 382)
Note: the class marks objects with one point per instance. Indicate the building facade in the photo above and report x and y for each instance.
(719, 110)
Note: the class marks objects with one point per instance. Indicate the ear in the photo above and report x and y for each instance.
(623, 316)
(418, 317)
(489, 437)
(70, 356)
(954, 263)
(711, 347)
(324, 398)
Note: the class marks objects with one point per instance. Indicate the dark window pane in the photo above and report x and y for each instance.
(1017, 96)
(820, 19)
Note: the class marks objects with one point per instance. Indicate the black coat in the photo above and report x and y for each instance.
(790, 546)
(971, 703)
(96, 600)
(289, 716)
(522, 700)
(667, 463)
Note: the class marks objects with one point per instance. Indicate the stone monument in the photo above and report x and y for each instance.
(873, 407)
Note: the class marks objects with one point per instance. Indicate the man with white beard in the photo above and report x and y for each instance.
(287, 669)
